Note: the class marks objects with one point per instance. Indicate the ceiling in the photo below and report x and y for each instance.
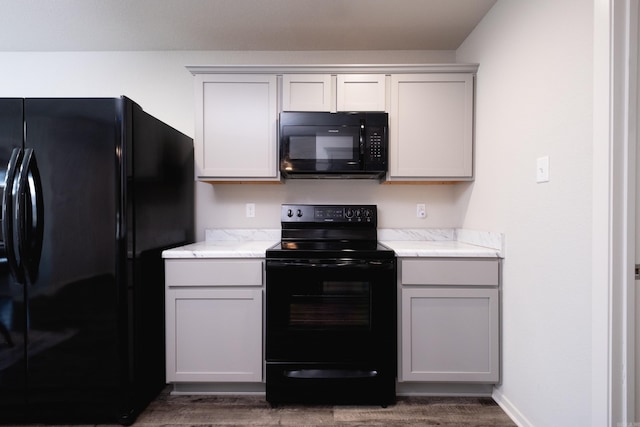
(128, 25)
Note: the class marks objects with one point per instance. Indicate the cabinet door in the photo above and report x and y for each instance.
(450, 335)
(236, 118)
(214, 335)
(307, 92)
(431, 126)
(361, 92)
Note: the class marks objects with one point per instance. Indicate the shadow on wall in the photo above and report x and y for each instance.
(462, 197)
(223, 205)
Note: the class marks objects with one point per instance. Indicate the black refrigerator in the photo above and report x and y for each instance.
(93, 191)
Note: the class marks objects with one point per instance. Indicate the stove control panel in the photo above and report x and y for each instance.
(329, 213)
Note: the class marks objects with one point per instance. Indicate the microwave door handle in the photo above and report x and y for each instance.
(362, 141)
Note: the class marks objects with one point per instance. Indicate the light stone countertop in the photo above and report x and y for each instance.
(221, 249)
(439, 248)
(251, 243)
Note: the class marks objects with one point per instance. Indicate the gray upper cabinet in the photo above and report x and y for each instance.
(431, 115)
(361, 92)
(307, 92)
(236, 118)
(331, 93)
(431, 127)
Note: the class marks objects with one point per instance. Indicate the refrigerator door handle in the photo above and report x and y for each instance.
(9, 213)
(30, 215)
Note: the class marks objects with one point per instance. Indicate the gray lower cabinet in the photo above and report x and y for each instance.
(449, 320)
(214, 320)
(449, 315)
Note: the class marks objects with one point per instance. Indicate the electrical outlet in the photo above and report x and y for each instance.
(421, 211)
(251, 210)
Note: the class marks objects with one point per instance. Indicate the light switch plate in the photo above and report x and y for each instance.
(250, 210)
(542, 169)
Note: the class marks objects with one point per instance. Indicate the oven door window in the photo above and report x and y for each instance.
(320, 148)
(331, 304)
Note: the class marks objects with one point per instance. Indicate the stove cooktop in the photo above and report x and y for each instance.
(329, 231)
(305, 249)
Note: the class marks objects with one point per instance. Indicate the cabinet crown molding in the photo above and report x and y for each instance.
(333, 69)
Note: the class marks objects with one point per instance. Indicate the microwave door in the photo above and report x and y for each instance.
(321, 149)
(340, 150)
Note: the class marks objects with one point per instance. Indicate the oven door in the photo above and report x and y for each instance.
(330, 310)
(318, 149)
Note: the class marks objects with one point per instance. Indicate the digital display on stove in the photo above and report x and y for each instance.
(328, 213)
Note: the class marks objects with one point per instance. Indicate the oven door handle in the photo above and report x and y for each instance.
(338, 263)
(330, 373)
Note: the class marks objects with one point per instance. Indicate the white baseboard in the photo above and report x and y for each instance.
(510, 409)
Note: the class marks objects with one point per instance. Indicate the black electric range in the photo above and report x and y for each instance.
(330, 308)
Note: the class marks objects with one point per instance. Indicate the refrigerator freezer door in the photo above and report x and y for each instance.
(12, 363)
(74, 320)
(116, 189)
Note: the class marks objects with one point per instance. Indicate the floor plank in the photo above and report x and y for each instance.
(211, 411)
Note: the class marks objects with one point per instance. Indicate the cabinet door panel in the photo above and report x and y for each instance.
(306, 92)
(361, 92)
(431, 124)
(214, 335)
(236, 118)
(450, 335)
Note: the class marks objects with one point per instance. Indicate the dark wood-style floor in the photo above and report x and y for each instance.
(212, 411)
(198, 410)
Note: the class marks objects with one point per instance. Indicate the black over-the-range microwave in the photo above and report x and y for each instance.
(333, 145)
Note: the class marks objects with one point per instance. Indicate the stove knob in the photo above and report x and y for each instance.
(289, 213)
(299, 213)
(348, 213)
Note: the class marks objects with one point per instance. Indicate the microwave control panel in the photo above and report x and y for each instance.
(375, 148)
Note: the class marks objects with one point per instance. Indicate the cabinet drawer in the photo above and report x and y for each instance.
(207, 272)
(482, 272)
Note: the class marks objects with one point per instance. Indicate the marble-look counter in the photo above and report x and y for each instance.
(443, 242)
(221, 249)
(442, 248)
(253, 243)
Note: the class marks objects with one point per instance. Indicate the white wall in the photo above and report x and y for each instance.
(160, 83)
(534, 98)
